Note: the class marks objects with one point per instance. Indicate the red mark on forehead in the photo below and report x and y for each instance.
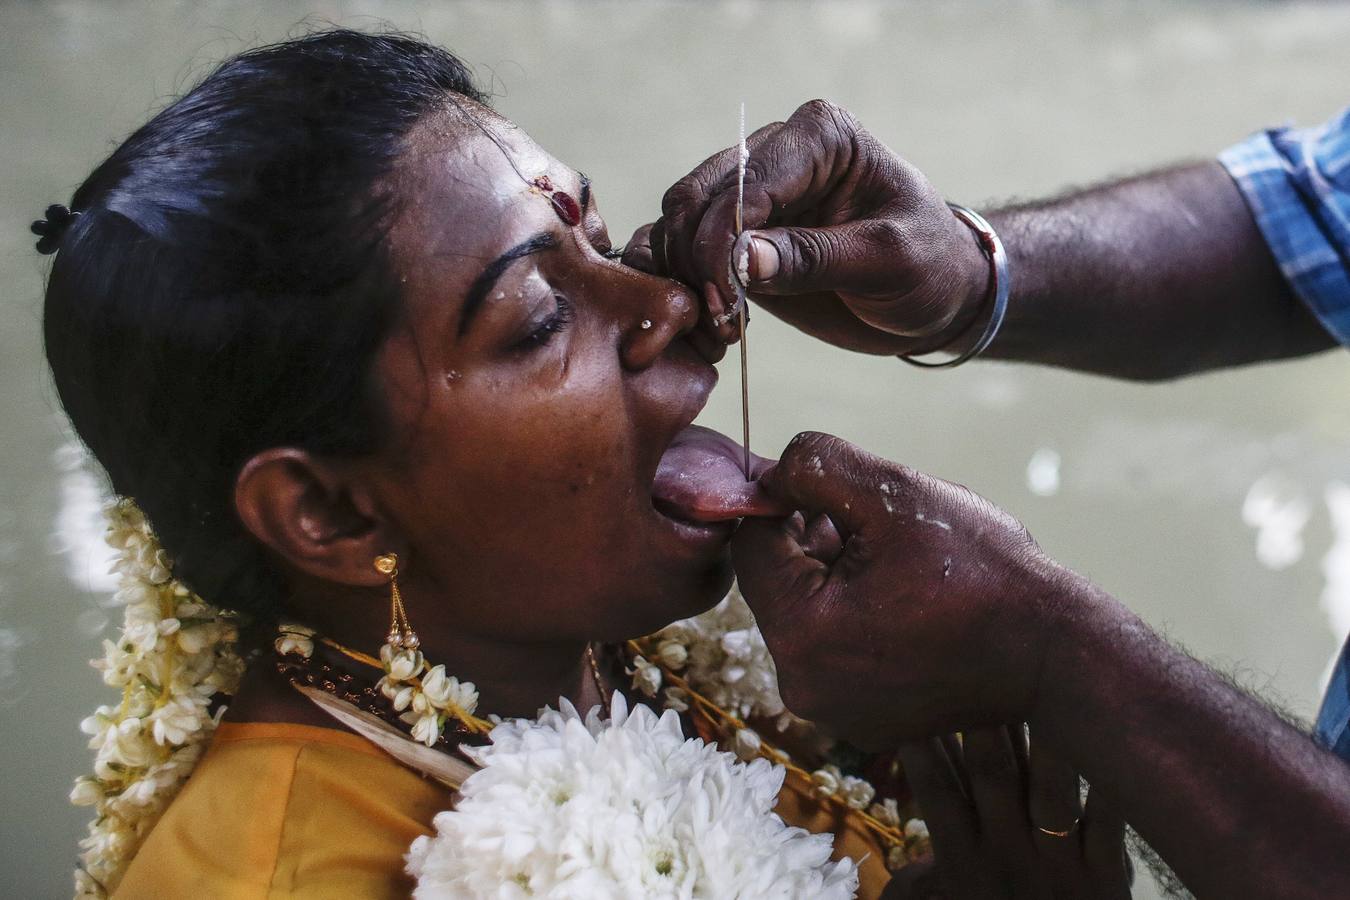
(567, 209)
(563, 204)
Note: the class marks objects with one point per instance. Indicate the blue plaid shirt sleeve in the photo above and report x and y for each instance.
(1333, 720)
(1297, 184)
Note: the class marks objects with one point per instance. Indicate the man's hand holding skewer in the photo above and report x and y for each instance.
(845, 240)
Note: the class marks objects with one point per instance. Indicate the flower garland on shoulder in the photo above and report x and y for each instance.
(174, 657)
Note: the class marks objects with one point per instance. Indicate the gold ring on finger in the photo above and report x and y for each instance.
(1058, 834)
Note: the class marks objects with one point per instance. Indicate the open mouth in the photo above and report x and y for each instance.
(700, 480)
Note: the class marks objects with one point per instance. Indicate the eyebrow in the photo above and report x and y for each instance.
(478, 291)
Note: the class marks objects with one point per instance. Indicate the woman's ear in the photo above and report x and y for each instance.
(312, 514)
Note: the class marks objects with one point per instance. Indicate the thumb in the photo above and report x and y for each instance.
(641, 250)
(864, 258)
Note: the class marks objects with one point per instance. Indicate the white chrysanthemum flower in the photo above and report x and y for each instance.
(569, 809)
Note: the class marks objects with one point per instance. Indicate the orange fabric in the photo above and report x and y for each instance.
(295, 811)
(287, 811)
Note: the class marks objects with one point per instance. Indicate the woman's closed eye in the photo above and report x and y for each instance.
(554, 323)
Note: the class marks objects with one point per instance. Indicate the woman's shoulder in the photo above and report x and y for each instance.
(281, 810)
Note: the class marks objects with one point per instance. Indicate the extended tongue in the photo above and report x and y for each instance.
(701, 479)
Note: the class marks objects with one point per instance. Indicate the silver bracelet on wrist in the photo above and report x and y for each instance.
(999, 288)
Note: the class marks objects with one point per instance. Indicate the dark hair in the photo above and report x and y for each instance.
(227, 283)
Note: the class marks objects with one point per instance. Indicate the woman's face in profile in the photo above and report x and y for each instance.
(534, 387)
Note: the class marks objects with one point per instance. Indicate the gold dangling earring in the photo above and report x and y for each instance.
(401, 633)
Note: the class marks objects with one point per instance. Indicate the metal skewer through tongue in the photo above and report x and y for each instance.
(743, 156)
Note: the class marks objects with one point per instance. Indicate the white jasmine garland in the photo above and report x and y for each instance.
(295, 638)
(747, 744)
(174, 654)
(427, 697)
(887, 812)
(565, 807)
(828, 779)
(723, 656)
(646, 677)
(720, 660)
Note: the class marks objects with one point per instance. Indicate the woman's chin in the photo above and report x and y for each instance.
(680, 597)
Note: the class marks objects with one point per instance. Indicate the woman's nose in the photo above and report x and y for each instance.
(664, 311)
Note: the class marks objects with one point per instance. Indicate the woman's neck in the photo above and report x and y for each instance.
(514, 679)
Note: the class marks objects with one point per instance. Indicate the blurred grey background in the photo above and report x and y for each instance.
(1218, 507)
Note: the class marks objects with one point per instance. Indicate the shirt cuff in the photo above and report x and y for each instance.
(1311, 265)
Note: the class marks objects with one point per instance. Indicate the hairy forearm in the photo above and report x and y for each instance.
(1238, 802)
(1148, 278)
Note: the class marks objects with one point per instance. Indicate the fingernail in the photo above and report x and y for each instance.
(712, 299)
(740, 259)
(763, 261)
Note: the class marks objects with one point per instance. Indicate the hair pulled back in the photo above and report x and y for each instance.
(227, 284)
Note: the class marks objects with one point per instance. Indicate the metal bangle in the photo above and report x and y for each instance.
(999, 289)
